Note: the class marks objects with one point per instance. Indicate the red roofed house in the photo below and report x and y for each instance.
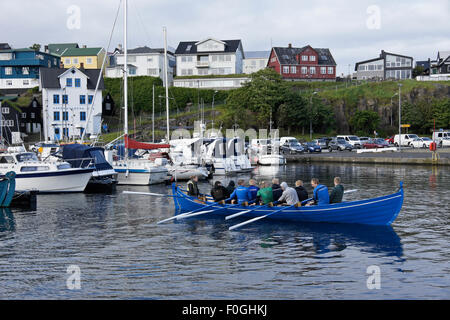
(307, 63)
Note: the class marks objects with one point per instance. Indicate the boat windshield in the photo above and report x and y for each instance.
(26, 157)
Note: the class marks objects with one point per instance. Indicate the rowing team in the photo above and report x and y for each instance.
(276, 194)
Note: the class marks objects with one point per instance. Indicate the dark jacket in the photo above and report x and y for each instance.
(230, 188)
(277, 191)
(301, 193)
(192, 188)
(337, 194)
(219, 193)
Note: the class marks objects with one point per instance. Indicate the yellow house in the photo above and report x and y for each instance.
(91, 58)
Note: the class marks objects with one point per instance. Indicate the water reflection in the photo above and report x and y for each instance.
(7, 221)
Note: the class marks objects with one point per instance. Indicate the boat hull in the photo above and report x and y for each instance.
(377, 211)
(70, 180)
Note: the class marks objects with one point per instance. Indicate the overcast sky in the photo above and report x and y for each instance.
(353, 30)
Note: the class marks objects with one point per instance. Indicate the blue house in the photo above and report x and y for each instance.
(19, 68)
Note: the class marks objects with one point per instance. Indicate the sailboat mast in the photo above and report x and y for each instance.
(166, 76)
(125, 77)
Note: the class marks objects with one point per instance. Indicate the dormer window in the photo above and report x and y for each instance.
(304, 58)
(312, 58)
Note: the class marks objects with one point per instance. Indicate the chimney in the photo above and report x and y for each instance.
(84, 46)
(81, 65)
(61, 64)
(46, 49)
(290, 45)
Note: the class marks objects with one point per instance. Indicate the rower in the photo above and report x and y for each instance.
(337, 193)
(276, 189)
(289, 195)
(252, 190)
(241, 192)
(193, 187)
(320, 193)
(219, 192)
(301, 191)
(265, 193)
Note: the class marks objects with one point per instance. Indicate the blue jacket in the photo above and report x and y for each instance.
(241, 193)
(321, 196)
(252, 193)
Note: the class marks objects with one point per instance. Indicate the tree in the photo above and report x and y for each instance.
(418, 71)
(364, 122)
(36, 47)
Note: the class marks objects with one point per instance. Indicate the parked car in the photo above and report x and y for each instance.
(374, 144)
(423, 142)
(353, 140)
(364, 140)
(382, 142)
(292, 147)
(321, 142)
(445, 142)
(339, 144)
(312, 147)
(406, 139)
(390, 140)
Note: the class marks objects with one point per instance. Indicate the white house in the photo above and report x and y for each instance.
(69, 103)
(209, 57)
(142, 61)
(255, 61)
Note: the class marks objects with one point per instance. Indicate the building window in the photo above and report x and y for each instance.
(285, 69)
(67, 61)
(65, 99)
(294, 69)
(90, 99)
(82, 116)
(152, 71)
(132, 71)
(75, 60)
(8, 71)
(312, 70)
(24, 115)
(312, 58)
(362, 68)
(330, 70)
(88, 60)
(26, 70)
(68, 82)
(56, 116)
(66, 132)
(82, 99)
(323, 70)
(5, 110)
(304, 58)
(77, 82)
(304, 70)
(65, 116)
(56, 99)
(33, 115)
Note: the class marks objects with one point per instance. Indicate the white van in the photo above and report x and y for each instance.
(406, 139)
(353, 140)
(283, 140)
(439, 135)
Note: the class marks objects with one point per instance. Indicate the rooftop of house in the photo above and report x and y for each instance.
(76, 52)
(59, 48)
(257, 54)
(288, 55)
(190, 47)
(50, 77)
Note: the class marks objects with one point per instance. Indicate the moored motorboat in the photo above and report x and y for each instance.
(44, 176)
(377, 211)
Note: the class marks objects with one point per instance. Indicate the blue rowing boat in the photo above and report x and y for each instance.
(377, 211)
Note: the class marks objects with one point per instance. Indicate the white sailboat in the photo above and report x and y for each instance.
(134, 171)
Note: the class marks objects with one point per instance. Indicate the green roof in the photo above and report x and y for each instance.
(71, 52)
(58, 48)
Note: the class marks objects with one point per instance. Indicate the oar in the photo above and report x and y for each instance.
(243, 212)
(149, 194)
(188, 213)
(259, 218)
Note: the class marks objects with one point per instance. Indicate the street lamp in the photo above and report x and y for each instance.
(400, 116)
(310, 115)
(212, 124)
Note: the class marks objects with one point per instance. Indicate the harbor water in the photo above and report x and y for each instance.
(120, 253)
